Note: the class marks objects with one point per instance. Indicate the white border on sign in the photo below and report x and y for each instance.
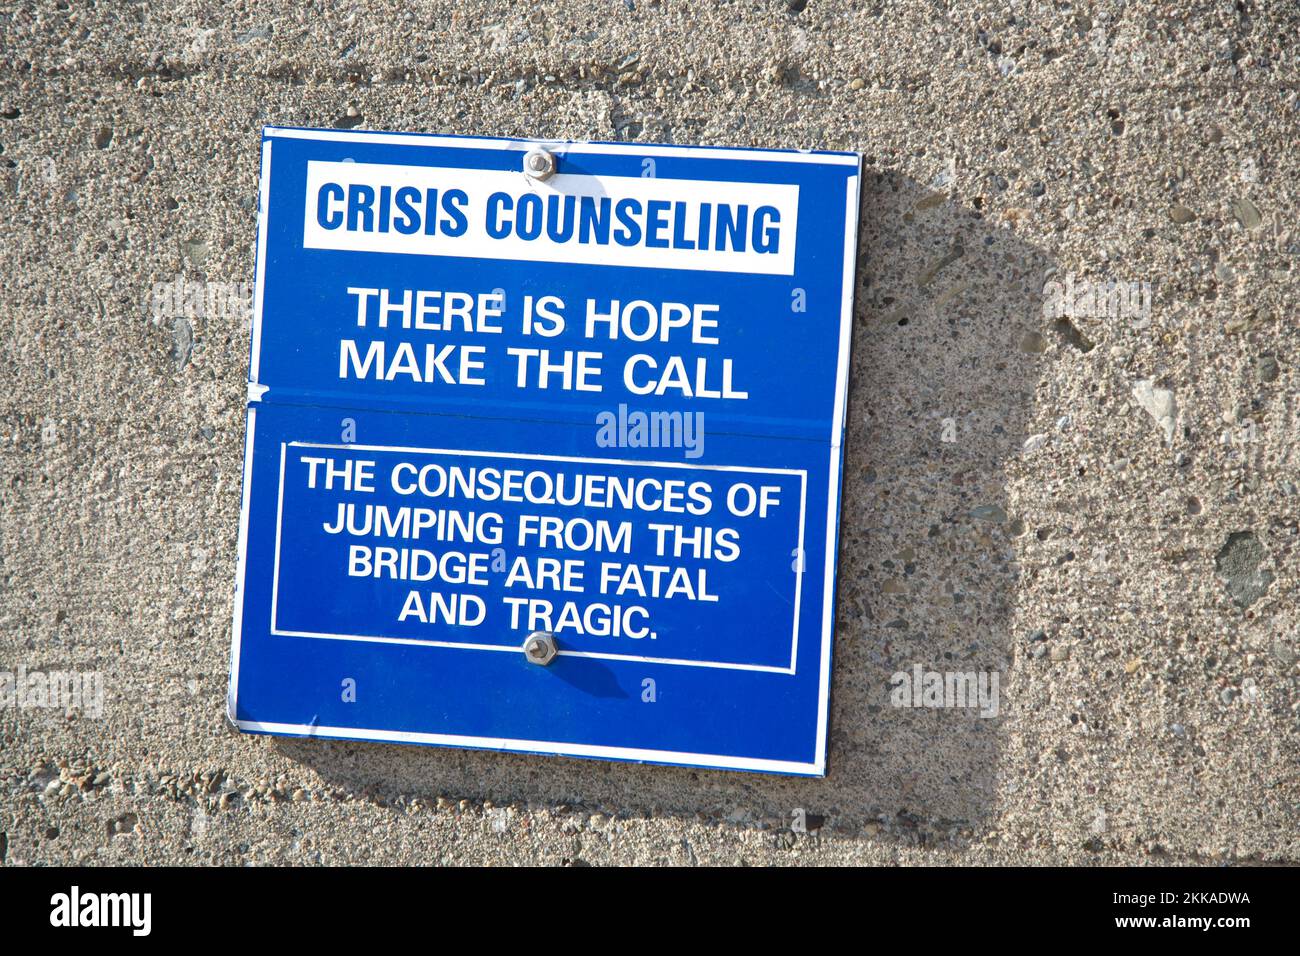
(549, 748)
(568, 146)
(514, 648)
(720, 761)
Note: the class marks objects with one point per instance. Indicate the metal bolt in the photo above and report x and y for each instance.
(540, 647)
(539, 164)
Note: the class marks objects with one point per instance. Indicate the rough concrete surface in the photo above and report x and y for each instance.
(1099, 505)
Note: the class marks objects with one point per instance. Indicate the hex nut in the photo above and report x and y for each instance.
(539, 164)
(540, 648)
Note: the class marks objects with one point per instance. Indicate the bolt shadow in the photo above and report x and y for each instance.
(945, 363)
(591, 676)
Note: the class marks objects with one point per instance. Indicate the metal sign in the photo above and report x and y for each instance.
(543, 447)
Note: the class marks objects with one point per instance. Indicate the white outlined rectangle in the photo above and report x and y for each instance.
(514, 648)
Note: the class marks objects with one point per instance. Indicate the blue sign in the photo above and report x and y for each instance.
(543, 447)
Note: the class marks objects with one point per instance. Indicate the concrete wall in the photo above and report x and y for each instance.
(1126, 561)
